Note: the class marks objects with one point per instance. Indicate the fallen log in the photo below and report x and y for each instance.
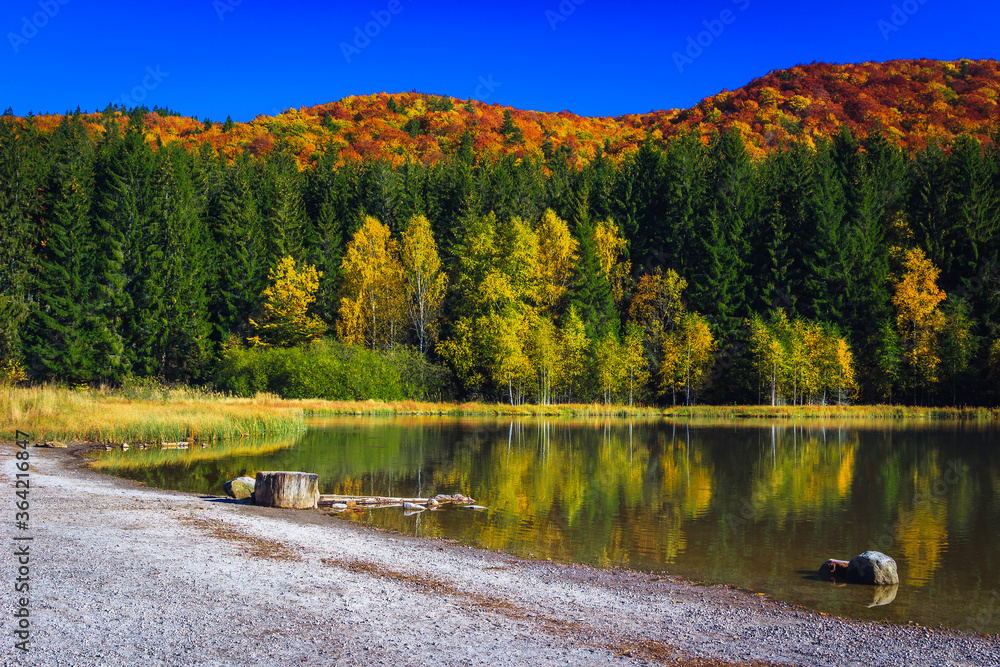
(382, 501)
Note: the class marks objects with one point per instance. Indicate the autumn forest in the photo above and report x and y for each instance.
(825, 235)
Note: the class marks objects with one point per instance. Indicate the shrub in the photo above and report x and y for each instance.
(333, 371)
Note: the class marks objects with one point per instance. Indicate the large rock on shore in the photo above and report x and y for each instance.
(872, 567)
(240, 488)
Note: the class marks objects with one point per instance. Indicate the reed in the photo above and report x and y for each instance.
(472, 408)
(155, 414)
(834, 412)
(118, 461)
(701, 412)
(50, 412)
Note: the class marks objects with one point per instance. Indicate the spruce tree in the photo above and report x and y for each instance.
(59, 340)
(20, 166)
(240, 261)
(179, 327)
(591, 295)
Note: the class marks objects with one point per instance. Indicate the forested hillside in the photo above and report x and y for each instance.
(912, 101)
(826, 234)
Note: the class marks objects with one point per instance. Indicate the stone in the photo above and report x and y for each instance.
(833, 569)
(413, 507)
(240, 488)
(872, 567)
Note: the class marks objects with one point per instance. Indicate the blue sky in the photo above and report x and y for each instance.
(211, 58)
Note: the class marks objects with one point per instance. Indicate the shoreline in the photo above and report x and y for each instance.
(106, 417)
(126, 573)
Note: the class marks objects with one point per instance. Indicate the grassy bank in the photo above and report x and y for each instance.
(701, 412)
(151, 415)
(154, 415)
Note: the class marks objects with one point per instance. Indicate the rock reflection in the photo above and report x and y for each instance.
(884, 595)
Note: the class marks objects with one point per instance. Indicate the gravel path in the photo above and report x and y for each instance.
(126, 575)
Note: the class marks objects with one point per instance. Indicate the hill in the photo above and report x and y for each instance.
(915, 101)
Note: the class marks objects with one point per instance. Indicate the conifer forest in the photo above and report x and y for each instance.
(698, 266)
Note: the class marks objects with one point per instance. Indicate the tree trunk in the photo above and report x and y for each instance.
(295, 490)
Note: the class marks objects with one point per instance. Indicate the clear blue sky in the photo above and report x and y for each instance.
(210, 58)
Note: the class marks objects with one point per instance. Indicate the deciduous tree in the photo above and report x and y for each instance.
(423, 280)
(372, 307)
(286, 321)
(919, 320)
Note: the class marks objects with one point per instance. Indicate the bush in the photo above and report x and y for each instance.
(333, 371)
(421, 380)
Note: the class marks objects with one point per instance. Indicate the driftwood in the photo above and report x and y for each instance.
(174, 445)
(296, 490)
(386, 501)
(833, 569)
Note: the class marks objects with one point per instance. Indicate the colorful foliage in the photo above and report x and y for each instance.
(915, 101)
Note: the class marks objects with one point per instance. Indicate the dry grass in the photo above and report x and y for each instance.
(701, 412)
(88, 415)
(372, 407)
(158, 415)
(249, 545)
(834, 412)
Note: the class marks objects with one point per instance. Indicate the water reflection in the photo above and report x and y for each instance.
(752, 505)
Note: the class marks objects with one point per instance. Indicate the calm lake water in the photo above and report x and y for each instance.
(755, 505)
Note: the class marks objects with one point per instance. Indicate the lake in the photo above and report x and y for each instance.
(757, 505)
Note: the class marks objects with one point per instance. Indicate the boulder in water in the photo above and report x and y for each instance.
(872, 567)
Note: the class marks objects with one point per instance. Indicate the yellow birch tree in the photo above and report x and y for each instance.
(607, 362)
(543, 353)
(571, 363)
(769, 354)
(634, 361)
(696, 347)
(612, 251)
(557, 258)
(372, 307)
(918, 319)
(423, 280)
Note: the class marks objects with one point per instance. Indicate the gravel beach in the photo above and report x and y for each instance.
(121, 574)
